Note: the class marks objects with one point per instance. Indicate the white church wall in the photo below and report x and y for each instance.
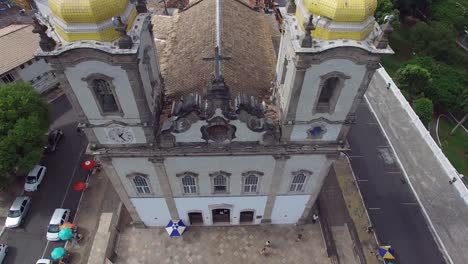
(288, 209)
(83, 93)
(127, 166)
(203, 166)
(312, 163)
(152, 211)
(237, 204)
(146, 41)
(310, 89)
(299, 132)
(103, 137)
(37, 68)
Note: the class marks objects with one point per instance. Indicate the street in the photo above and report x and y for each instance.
(28, 243)
(392, 207)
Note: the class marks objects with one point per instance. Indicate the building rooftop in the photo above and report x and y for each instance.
(18, 44)
(246, 40)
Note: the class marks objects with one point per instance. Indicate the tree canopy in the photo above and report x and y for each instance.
(424, 109)
(414, 79)
(23, 124)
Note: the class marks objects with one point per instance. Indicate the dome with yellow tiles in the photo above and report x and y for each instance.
(342, 10)
(338, 19)
(76, 20)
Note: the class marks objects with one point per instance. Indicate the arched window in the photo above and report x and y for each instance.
(141, 185)
(330, 88)
(251, 181)
(189, 184)
(220, 181)
(299, 180)
(104, 96)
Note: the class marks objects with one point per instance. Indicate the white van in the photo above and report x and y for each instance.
(59, 217)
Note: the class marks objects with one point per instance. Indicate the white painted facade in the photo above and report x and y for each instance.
(152, 211)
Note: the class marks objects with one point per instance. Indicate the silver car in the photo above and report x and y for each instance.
(18, 211)
(3, 252)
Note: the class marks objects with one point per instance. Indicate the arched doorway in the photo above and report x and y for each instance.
(221, 215)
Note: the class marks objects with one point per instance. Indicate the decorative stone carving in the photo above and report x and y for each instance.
(316, 131)
(125, 41)
(141, 6)
(305, 172)
(167, 140)
(291, 7)
(187, 173)
(46, 43)
(381, 42)
(218, 130)
(308, 27)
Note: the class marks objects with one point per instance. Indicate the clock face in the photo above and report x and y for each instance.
(121, 135)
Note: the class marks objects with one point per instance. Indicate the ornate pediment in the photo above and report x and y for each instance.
(218, 130)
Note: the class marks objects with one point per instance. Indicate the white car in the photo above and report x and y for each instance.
(3, 252)
(18, 211)
(44, 261)
(59, 217)
(34, 178)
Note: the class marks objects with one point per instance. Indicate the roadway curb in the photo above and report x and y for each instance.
(2, 231)
(426, 215)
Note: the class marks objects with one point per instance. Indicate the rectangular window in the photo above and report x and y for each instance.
(141, 185)
(8, 78)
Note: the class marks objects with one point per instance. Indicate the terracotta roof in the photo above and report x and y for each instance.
(17, 45)
(246, 40)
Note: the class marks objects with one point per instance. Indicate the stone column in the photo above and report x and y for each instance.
(290, 110)
(317, 188)
(278, 172)
(165, 186)
(120, 189)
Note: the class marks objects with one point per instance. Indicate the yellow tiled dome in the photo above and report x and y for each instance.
(342, 10)
(87, 11)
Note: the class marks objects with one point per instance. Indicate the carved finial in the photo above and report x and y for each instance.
(46, 43)
(381, 42)
(125, 41)
(291, 8)
(308, 27)
(141, 6)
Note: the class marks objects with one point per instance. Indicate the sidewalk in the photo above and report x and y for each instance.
(441, 201)
(99, 198)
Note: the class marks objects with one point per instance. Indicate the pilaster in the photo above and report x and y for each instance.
(316, 188)
(120, 189)
(165, 186)
(278, 172)
(289, 113)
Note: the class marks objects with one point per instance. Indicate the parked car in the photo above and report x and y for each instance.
(34, 178)
(18, 211)
(3, 252)
(59, 217)
(44, 261)
(53, 140)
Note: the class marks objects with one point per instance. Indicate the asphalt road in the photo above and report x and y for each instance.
(392, 207)
(28, 243)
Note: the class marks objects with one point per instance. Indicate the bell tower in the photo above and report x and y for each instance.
(105, 58)
(328, 55)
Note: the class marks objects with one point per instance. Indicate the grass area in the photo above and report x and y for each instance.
(454, 146)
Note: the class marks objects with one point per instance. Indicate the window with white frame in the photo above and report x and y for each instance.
(299, 180)
(8, 78)
(141, 184)
(220, 182)
(251, 181)
(189, 184)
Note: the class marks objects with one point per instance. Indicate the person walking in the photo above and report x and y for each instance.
(268, 244)
(299, 237)
(314, 218)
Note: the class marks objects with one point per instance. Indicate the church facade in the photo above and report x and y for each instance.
(212, 126)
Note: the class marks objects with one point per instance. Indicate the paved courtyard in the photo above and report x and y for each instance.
(227, 245)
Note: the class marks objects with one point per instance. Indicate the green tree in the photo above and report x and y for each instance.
(23, 124)
(424, 109)
(384, 8)
(414, 79)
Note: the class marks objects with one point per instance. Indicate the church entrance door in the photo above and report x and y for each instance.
(221, 216)
(195, 218)
(246, 217)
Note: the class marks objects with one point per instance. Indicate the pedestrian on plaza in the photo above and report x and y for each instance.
(299, 237)
(314, 218)
(268, 244)
(388, 86)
